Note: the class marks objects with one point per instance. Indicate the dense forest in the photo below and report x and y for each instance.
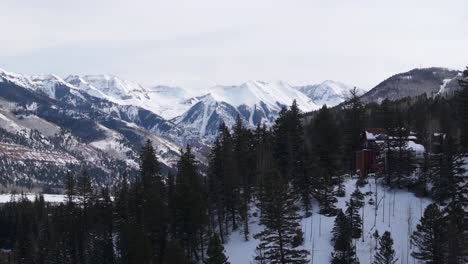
(187, 216)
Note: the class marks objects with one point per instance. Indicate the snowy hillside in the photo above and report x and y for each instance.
(399, 212)
(166, 101)
(328, 93)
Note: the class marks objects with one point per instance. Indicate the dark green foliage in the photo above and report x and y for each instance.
(354, 218)
(289, 152)
(282, 234)
(325, 146)
(430, 237)
(462, 110)
(344, 251)
(189, 205)
(448, 172)
(354, 122)
(386, 253)
(215, 252)
(175, 254)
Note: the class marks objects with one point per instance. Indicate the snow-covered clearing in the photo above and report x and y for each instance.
(399, 212)
(51, 198)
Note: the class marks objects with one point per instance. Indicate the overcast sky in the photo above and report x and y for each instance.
(199, 43)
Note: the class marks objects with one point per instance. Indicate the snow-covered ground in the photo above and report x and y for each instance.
(399, 212)
(52, 198)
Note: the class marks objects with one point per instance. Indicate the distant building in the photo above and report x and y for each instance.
(370, 158)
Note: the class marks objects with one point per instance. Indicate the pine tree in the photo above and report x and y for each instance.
(190, 205)
(289, 152)
(386, 253)
(457, 234)
(282, 234)
(448, 173)
(244, 169)
(354, 218)
(175, 254)
(354, 119)
(462, 110)
(429, 237)
(154, 210)
(84, 190)
(344, 251)
(326, 148)
(215, 252)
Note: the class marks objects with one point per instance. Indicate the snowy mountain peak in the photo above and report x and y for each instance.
(162, 100)
(328, 92)
(252, 93)
(46, 83)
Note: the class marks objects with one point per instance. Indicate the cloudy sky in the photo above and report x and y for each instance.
(200, 43)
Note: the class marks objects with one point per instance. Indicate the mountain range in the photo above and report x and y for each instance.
(101, 121)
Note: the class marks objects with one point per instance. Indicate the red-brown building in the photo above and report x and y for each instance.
(367, 158)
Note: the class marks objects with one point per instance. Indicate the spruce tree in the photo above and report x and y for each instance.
(430, 237)
(386, 253)
(154, 209)
(175, 254)
(326, 148)
(190, 205)
(448, 173)
(289, 152)
(215, 252)
(462, 110)
(354, 218)
(354, 124)
(282, 235)
(344, 251)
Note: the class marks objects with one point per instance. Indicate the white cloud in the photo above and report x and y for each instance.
(196, 44)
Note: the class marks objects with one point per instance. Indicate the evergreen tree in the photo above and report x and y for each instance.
(289, 152)
(154, 208)
(448, 173)
(429, 237)
(386, 253)
(215, 252)
(344, 251)
(326, 148)
(84, 190)
(282, 234)
(462, 110)
(175, 254)
(457, 234)
(190, 205)
(354, 218)
(244, 169)
(354, 124)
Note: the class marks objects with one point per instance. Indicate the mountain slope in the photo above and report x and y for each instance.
(328, 93)
(430, 81)
(166, 101)
(254, 102)
(399, 213)
(46, 114)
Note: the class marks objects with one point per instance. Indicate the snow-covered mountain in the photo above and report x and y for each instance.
(429, 81)
(328, 93)
(254, 102)
(45, 116)
(165, 101)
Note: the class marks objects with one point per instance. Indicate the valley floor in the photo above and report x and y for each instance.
(399, 212)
